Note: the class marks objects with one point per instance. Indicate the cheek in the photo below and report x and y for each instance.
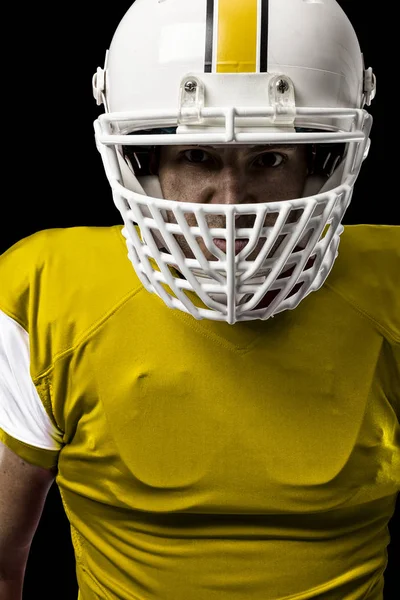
(288, 183)
(175, 186)
(179, 181)
(167, 182)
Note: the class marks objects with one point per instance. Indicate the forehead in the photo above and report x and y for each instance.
(238, 148)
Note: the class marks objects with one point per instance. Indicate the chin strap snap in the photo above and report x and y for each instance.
(99, 84)
(369, 86)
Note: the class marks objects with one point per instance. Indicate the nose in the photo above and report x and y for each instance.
(232, 187)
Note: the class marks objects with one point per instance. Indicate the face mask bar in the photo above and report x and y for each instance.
(231, 287)
(108, 126)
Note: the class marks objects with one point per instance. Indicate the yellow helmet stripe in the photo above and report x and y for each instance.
(237, 36)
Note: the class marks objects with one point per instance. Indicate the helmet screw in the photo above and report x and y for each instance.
(190, 86)
(282, 86)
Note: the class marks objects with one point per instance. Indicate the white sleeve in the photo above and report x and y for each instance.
(22, 414)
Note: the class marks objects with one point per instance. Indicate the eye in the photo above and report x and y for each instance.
(196, 155)
(269, 159)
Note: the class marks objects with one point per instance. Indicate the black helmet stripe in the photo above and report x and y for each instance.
(264, 36)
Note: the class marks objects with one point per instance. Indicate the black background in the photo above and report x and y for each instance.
(53, 177)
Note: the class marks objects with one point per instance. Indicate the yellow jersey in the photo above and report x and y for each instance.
(199, 460)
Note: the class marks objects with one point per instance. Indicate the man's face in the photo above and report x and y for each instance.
(231, 175)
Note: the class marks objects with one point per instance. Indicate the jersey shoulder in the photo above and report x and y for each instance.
(366, 274)
(62, 282)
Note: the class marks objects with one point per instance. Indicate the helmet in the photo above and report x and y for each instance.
(233, 72)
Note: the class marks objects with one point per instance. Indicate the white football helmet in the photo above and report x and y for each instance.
(234, 72)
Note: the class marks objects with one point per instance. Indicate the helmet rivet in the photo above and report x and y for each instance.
(190, 86)
(282, 86)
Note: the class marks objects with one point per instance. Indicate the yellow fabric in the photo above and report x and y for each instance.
(205, 461)
(237, 36)
(47, 460)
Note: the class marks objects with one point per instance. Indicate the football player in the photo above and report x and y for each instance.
(213, 382)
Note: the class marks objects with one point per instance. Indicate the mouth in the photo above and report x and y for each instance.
(239, 244)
